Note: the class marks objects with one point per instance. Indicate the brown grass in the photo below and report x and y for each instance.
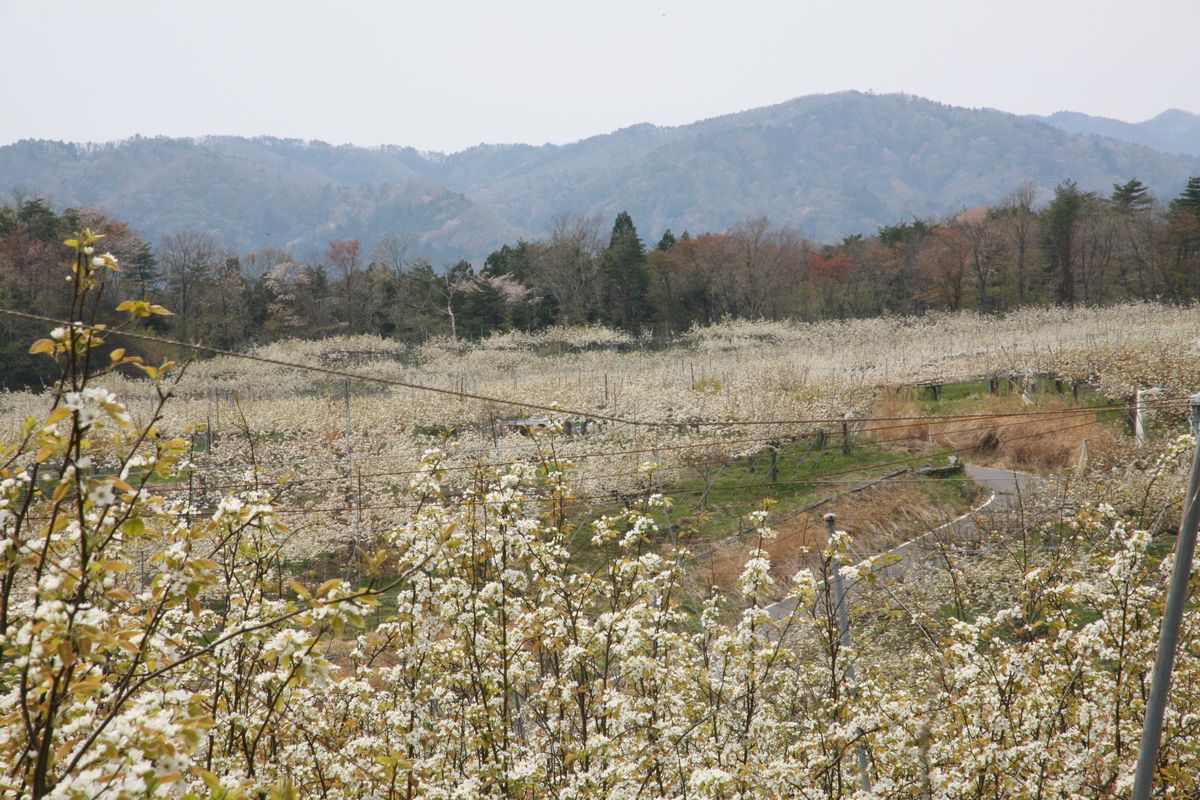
(1047, 445)
(877, 519)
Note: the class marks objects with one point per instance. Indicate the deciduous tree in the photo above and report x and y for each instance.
(343, 256)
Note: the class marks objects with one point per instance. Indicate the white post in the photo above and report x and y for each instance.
(839, 590)
(1139, 413)
(1081, 467)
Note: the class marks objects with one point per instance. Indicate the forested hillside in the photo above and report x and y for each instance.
(1172, 131)
(1076, 248)
(825, 165)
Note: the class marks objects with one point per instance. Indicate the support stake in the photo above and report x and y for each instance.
(1168, 637)
(839, 594)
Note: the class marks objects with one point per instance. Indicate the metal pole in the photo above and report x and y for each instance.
(839, 593)
(1168, 637)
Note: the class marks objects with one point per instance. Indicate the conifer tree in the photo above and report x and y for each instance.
(625, 277)
(1132, 195)
(1189, 199)
(1060, 220)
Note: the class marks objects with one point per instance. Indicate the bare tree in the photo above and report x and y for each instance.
(189, 261)
(979, 226)
(567, 266)
(757, 282)
(257, 264)
(1017, 211)
(392, 250)
(944, 260)
(1140, 258)
(344, 255)
(1098, 247)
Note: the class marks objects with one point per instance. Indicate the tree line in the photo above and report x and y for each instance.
(1078, 248)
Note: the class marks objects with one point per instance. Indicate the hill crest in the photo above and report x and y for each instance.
(829, 165)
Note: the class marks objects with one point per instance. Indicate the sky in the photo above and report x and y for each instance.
(450, 74)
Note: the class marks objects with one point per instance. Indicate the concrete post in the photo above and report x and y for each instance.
(839, 593)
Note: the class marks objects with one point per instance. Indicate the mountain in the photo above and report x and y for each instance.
(829, 165)
(1173, 131)
(258, 193)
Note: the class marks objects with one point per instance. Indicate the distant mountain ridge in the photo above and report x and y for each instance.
(829, 165)
(1172, 131)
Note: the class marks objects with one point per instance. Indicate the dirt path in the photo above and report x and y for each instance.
(1005, 487)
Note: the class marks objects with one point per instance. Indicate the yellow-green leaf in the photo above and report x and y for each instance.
(57, 415)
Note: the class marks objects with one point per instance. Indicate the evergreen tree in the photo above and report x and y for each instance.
(903, 242)
(538, 311)
(482, 310)
(667, 241)
(625, 279)
(8, 221)
(1132, 195)
(1060, 221)
(1189, 199)
(40, 222)
(142, 270)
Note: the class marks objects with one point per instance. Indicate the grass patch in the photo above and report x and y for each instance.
(1001, 432)
(971, 397)
(714, 502)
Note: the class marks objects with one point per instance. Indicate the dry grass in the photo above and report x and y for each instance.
(877, 519)
(1046, 445)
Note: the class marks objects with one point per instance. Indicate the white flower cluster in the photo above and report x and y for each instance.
(93, 404)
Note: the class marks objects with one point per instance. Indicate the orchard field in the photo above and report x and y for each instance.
(540, 565)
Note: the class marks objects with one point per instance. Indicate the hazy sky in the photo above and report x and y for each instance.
(449, 74)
